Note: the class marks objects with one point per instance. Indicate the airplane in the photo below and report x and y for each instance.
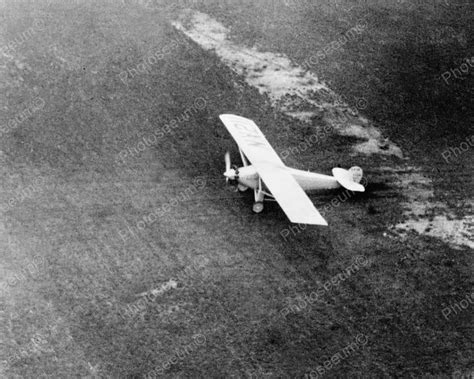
(265, 173)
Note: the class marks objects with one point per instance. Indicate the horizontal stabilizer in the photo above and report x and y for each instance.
(345, 178)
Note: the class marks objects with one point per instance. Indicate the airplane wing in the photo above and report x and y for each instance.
(284, 188)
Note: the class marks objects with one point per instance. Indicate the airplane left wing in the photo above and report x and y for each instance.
(250, 139)
(284, 188)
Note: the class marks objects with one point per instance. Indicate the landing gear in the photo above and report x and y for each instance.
(259, 197)
(257, 207)
(242, 188)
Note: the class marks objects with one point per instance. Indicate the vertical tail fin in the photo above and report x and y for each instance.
(357, 173)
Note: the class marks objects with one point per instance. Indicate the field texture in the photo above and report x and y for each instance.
(123, 254)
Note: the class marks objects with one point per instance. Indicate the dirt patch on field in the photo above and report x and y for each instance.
(295, 91)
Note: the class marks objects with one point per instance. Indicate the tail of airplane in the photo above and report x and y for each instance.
(349, 179)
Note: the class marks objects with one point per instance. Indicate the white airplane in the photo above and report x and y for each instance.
(270, 179)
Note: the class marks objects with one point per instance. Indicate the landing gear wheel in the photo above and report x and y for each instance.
(242, 188)
(257, 207)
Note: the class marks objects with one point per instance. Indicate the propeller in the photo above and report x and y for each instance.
(227, 165)
(231, 171)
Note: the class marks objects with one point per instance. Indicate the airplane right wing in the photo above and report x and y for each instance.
(289, 194)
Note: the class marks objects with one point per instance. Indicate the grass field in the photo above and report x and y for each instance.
(228, 293)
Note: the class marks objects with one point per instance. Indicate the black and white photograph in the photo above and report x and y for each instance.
(236, 189)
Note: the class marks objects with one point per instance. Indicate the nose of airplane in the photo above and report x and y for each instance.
(230, 174)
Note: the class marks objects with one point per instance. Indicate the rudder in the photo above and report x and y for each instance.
(357, 173)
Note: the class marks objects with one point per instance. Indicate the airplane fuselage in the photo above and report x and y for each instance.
(309, 181)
